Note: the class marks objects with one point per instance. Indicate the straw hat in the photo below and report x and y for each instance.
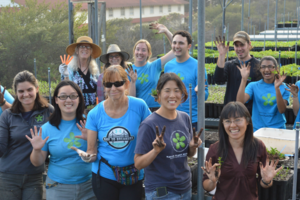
(84, 40)
(113, 48)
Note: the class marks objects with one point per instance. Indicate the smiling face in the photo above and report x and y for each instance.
(235, 127)
(84, 51)
(180, 46)
(242, 50)
(267, 69)
(141, 53)
(170, 96)
(116, 93)
(114, 58)
(26, 93)
(68, 106)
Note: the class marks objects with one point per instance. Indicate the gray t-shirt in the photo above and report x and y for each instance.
(170, 168)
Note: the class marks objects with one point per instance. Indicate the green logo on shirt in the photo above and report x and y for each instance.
(72, 141)
(179, 141)
(143, 78)
(39, 118)
(181, 77)
(269, 99)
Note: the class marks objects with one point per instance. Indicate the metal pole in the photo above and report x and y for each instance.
(212, 42)
(201, 91)
(49, 81)
(265, 37)
(288, 16)
(141, 33)
(296, 161)
(34, 61)
(296, 47)
(71, 36)
(251, 26)
(190, 100)
(284, 13)
(268, 15)
(259, 26)
(104, 29)
(223, 19)
(90, 20)
(276, 24)
(254, 31)
(249, 14)
(227, 38)
(164, 45)
(279, 59)
(96, 23)
(242, 21)
(191, 21)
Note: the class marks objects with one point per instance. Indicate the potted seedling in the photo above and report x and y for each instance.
(88, 109)
(154, 94)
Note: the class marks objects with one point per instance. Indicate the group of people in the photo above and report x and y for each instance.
(130, 136)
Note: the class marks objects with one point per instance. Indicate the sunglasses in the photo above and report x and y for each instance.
(116, 84)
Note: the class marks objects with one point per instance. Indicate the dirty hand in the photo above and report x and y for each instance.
(2, 95)
(293, 89)
(196, 141)
(269, 171)
(279, 79)
(160, 27)
(159, 144)
(86, 157)
(245, 71)
(220, 44)
(211, 169)
(132, 74)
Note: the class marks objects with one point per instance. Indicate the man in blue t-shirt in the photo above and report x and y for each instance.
(5, 99)
(186, 68)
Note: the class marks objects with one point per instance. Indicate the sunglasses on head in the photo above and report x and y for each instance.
(116, 84)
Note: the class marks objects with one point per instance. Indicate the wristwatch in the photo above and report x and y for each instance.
(267, 184)
(1, 104)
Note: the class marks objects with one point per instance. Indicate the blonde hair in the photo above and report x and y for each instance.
(148, 47)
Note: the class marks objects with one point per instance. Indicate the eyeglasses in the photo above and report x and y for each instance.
(116, 84)
(114, 56)
(267, 66)
(237, 121)
(85, 47)
(64, 97)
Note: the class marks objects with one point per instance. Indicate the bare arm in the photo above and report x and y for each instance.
(38, 157)
(92, 143)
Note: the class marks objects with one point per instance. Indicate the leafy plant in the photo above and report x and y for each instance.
(153, 92)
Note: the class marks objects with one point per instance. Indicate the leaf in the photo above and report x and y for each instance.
(264, 98)
(177, 146)
(265, 103)
(177, 135)
(67, 140)
(72, 136)
(182, 139)
(182, 144)
(175, 140)
(272, 98)
(78, 144)
(269, 95)
(271, 103)
(76, 139)
(69, 145)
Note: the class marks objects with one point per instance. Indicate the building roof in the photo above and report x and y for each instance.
(115, 3)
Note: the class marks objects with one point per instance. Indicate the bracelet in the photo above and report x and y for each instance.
(1, 104)
(267, 184)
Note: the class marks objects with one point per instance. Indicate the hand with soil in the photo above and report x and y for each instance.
(220, 44)
(36, 139)
(2, 95)
(132, 74)
(160, 27)
(292, 89)
(196, 141)
(245, 71)
(82, 129)
(269, 171)
(86, 157)
(212, 171)
(159, 144)
(279, 79)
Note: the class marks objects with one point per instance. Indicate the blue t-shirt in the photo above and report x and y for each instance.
(265, 112)
(188, 72)
(7, 97)
(170, 167)
(65, 165)
(117, 136)
(298, 114)
(148, 76)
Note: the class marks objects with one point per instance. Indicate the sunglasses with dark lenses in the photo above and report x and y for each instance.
(116, 84)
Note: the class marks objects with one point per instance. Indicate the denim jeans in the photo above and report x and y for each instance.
(57, 191)
(170, 196)
(21, 186)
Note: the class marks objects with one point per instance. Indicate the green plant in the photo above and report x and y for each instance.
(274, 153)
(218, 167)
(90, 107)
(153, 92)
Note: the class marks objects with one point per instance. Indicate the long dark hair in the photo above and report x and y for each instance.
(234, 110)
(40, 102)
(123, 63)
(55, 117)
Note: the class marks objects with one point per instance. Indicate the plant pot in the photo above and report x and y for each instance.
(281, 190)
(220, 108)
(215, 106)
(206, 110)
(210, 110)
(280, 25)
(294, 24)
(294, 79)
(209, 79)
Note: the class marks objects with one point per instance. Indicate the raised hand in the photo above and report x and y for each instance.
(196, 141)
(212, 170)
(36, 139)
(160, 27)
(2, 95)
(279, 79)
(132, 74)
(86, 157)
(245, 71)
(82, 129)
(159, 144)
(293, 89)
(269, 171)
(220, 44)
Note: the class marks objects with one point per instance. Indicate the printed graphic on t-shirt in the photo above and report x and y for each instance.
(72, 141)
(179, 141)
(181, 77)
(269, 99)
(143, 78)
(118, 137)
(39, 118)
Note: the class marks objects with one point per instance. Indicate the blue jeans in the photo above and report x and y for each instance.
(81, 191)
(21, 186)
(170, 196)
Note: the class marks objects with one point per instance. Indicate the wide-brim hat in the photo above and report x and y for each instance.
(113, 48)
(84, 40)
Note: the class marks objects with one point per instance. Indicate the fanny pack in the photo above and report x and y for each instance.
(127, 175)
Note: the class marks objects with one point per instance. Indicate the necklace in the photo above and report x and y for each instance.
(80, 67)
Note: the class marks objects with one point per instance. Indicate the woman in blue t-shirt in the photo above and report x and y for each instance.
(164, 156)
(269, 94)
(148, 72)
(112, 130)
(68, 176)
